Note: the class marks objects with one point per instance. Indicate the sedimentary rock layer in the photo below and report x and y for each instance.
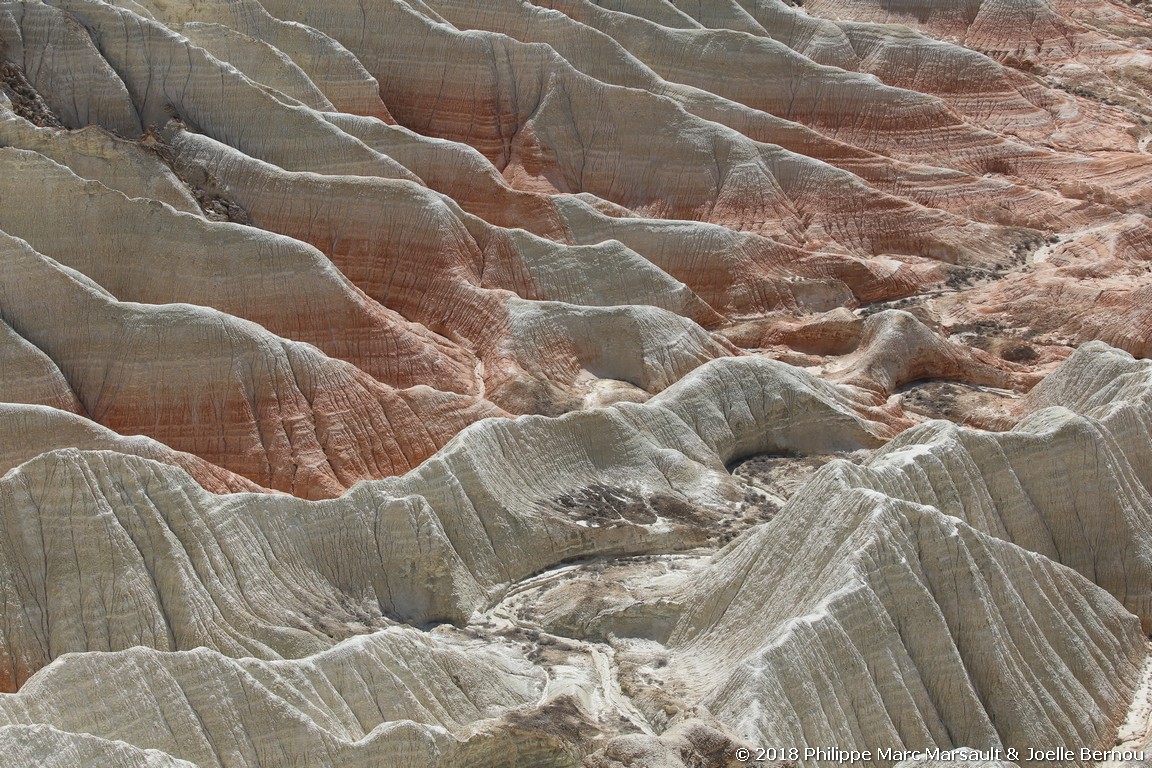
(885, 549)
(552, 382)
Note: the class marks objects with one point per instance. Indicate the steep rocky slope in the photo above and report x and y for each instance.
(603, 383)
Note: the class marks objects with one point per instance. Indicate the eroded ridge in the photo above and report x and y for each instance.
(617, 384)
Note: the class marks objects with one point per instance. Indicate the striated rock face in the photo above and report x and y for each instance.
(601, 383)
(915, 538)
(289, 417)
(435, 545)
(32, 430)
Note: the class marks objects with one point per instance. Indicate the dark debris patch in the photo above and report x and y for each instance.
(953, 401)
(562, 719)
(1016, 345)
(26, 102)
(1019, 353)
(935, 399)
(769, 480)
(217, 208)
(599, 505)
(203, 186)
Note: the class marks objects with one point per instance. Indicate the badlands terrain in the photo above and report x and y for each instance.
(575, 383)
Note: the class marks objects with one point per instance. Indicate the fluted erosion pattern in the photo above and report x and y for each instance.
(602, 383)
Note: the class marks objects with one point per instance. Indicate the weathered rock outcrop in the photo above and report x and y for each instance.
(286, 416)
(393, 698)
(555, 382)
(276, 282)
(890, 554)
(32, 430)
(436, 544)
